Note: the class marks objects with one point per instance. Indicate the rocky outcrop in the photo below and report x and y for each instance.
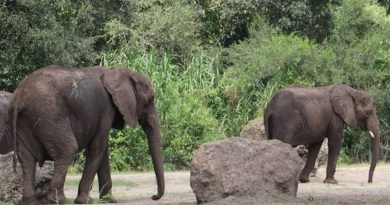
(254, 130)
(242, 167)
(11, 188)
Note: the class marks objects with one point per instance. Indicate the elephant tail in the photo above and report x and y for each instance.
(268, 123)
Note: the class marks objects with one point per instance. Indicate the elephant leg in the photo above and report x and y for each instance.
(61, 146)
(95, 153)
(105, 182)
(334, 145)
(28, 163)
(334, 150)
(56, 187)
(310, 162)
(313, 172)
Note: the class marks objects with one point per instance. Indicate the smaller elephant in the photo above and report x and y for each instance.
(306, 116)
(5, 144)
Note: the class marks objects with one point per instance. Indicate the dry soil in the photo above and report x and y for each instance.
(137, 188)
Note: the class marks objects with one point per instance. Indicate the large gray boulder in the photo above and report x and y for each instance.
(11, 188)
(255, 130)
(242, 167)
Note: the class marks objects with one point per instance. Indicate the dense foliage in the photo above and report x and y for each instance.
(214, 63)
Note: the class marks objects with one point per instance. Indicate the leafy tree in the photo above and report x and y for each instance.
(37, 33)
(228, 22)
(309, 18)
(31, 37)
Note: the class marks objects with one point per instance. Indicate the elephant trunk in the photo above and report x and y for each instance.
(151, 127)
(373, 128)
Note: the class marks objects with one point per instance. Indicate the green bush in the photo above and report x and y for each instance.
(186, 122)
(164, 26)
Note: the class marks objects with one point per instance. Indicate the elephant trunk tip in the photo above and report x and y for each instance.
(157, 196)
(370, 175)
(370, 178)
(160, 193)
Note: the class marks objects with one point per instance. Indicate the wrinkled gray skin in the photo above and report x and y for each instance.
(300, 115)
(5, 146)
(58, 112)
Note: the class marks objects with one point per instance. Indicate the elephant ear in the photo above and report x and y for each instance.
(343, 104)
(121, 87)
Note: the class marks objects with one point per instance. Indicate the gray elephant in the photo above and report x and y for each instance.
(57, 112)
(301, 115)
(5, 145)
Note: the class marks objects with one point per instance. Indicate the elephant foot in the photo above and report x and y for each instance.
(49, 200)
(30, 201)
(304, 179)
(83, 199)
(331, 181)
(108, 198)
(53, 197)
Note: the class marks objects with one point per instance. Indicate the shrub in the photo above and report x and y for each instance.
(186, 122)
(354, 20)
(164, 26)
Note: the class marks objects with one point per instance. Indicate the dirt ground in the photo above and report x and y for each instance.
(352, 189)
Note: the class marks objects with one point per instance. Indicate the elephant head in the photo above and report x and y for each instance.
(5, 99)
(133, 96)
(357, 109)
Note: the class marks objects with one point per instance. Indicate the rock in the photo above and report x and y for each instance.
(254, 130)
(242, 167)
(255, 200)
(11, 188)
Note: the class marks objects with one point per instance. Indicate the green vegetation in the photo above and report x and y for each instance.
(186, 120)
(214, 63)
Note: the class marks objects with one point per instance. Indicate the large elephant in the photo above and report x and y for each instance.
(5, 145)
(301, 115)
(57, 112)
